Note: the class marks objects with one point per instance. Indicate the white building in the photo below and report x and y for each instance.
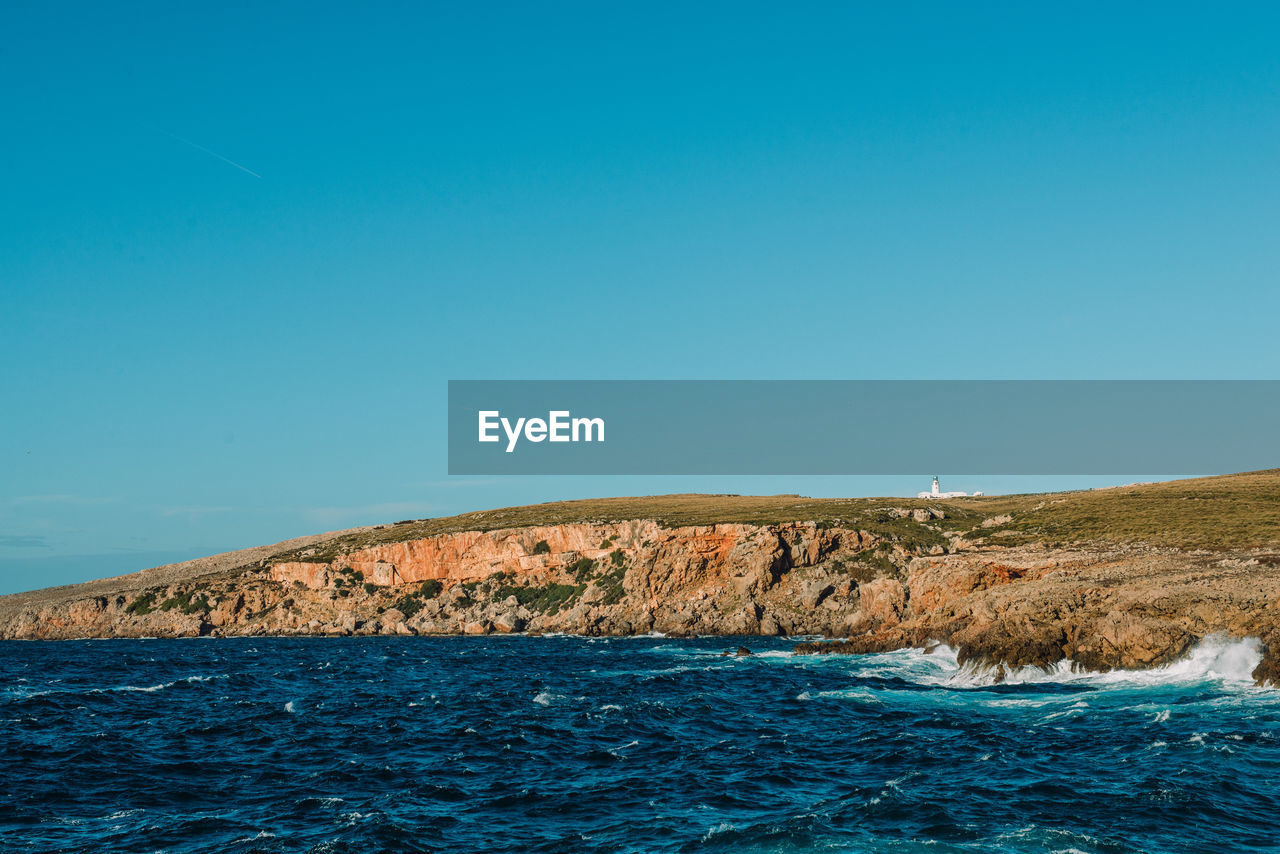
(937, 493)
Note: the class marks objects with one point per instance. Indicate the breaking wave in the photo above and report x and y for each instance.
(1214, 659)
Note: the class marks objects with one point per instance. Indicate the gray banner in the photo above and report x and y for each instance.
(1012, 427)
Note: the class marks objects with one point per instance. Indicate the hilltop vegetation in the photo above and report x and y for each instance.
(1226, 512)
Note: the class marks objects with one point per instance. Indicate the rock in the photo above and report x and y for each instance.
(477, 627)
(812, 595)
(885, 641)
(508, 623)
(935, 584)
(311, 575)
(1137, 640)
(883, 600)
(1267, 673)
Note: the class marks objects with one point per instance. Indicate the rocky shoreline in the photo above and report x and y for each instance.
(914, 578)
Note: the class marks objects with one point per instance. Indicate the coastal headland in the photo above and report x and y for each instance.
(1128, 577)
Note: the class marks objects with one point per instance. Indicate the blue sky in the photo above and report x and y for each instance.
(195, 358)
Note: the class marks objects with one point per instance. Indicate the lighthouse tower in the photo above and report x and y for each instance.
(936, 492)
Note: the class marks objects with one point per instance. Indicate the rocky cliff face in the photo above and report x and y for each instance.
(618, 578)
(1000, 607)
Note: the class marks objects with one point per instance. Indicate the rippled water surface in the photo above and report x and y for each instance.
(640, 744)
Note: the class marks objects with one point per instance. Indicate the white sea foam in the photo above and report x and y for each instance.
(262, 834)
(719, 830)
(617, 751)
(766, 654)
(151, 688)
(1214, 659)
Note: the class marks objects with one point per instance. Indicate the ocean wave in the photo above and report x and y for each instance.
(21, 694)
(546, 698)
(1217, 661)
(1214, 659)
(190, 680)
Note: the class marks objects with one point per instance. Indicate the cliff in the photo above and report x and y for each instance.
(1130, 577)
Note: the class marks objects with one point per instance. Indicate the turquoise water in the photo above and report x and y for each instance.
(638, 744)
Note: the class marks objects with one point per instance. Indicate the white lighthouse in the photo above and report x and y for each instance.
(936, 492)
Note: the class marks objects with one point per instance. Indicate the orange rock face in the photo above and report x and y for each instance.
(704, 554)
(476, 554)
(937, 583)
(312, 575)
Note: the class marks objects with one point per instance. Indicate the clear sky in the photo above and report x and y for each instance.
(243, 247)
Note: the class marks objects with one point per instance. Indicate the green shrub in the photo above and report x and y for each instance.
(408, 605)
(185, 602)
(870, 565)
(541, 548)
(370, 588)
(430, 588)
(144, 604)
(611, 583)
(547, 599)
(581, 568)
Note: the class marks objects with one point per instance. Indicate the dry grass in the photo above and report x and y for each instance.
(1239, 511)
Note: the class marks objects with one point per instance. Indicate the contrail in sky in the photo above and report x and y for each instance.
(207, 151)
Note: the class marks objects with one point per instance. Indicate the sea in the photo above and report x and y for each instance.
(646, 744)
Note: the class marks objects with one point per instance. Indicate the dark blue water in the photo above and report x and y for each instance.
(642, 744)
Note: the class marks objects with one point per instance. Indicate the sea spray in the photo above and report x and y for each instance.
(1215, 659)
